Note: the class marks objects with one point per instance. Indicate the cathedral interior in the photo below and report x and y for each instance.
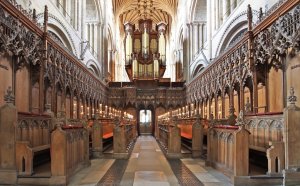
(149, 92)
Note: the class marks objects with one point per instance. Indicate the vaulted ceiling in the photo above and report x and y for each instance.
(134, 10)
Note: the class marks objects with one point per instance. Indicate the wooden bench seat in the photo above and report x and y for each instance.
(257, 148)
(32, 142)
(186, 135)
(40, 148)
(108, 135)
(28, 157)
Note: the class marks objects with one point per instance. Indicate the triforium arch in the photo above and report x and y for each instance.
(92, 65)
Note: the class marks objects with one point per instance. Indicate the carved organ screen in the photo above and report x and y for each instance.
(145, 50)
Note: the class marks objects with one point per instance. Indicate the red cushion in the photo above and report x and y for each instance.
(186, 135)
(108, 135)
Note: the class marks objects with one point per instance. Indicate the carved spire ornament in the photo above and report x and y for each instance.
(248, 106)
(250, 17)
(260, 15)
(9, 98)
(240, 121)
(46, 19)
(292, 99)
(34, 15)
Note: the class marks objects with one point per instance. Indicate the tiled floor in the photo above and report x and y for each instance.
(148, 166)
(207, 175)
(91, 175)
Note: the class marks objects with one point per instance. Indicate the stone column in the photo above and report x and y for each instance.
(101, 49)
(99, 45)
(186, 50)
(83, 16)
(201, 36)
(91, 34)
(209, 28)
(232, 5)
(95, 39)
(109, 60)
(76, 15)
(68, 11)
(79, 17)
(196, 40)
(217, 14)
(225, 10)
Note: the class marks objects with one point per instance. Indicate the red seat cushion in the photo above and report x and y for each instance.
(108, 135)
(186, 135)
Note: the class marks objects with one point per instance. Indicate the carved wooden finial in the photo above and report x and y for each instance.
(292, 99)
(45, 19)
(260, 16)
(48, 107)
(9, 98)
(248, 106)
(175, 120)
(97, 115)
(34, 15)
(249, 16)
(240, 119)
(231, 110)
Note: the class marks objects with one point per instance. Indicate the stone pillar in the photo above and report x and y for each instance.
(201, 36)
(101, 49)
(99, 45)
(196, 40)
(8, 121)
(90, 30)
(217, 15)
(210, 24)
(186, 57)
(96, 39)
(76, 4)
(83, 16)
(232, 5)
(68, 11)
(225, 10)
(191, 46)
